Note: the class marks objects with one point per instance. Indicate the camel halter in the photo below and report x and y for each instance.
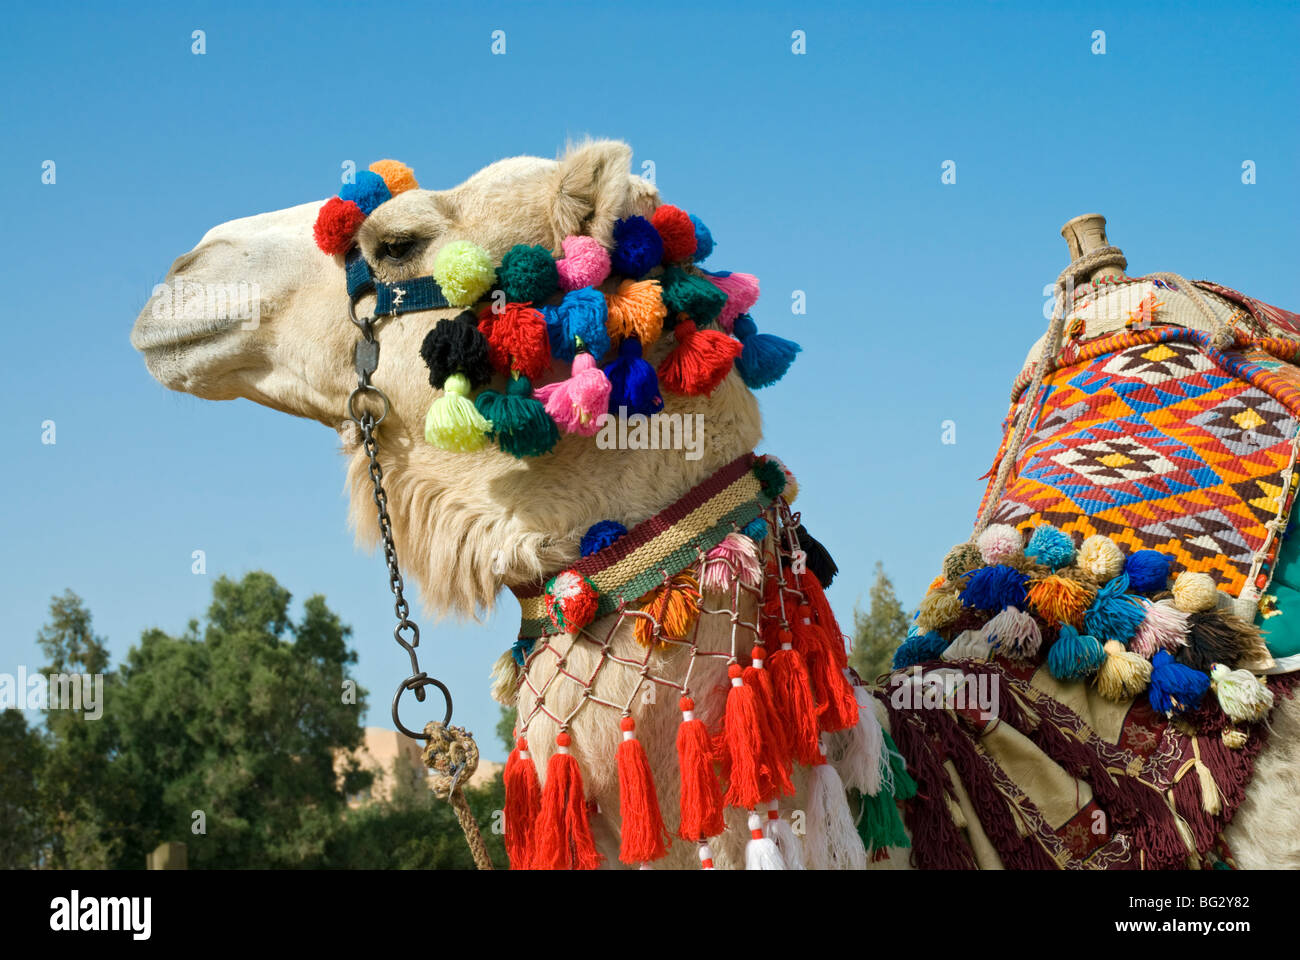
(449, 751)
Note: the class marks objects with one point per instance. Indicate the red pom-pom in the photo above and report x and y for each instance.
(336, 225)
(678, 232)
(571, 601)
(516, 339)
(700, 361)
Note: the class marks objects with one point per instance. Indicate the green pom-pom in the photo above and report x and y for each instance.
(520, 424)
(453, 422)
(685, 293)
(770, 477)
(528, 274)
(464, 272)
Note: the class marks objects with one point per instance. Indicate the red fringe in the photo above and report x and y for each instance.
(643, 834)
(742, 744)
(701, 797)
(776, 746)
(563, 840)
(523, 804)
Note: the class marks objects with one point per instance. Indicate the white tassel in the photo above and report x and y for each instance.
(832, 842)
(781, 833)
(856, 751)
(761, 853)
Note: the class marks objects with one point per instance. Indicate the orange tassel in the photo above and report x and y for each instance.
(563, 840)
(793, 698)
(701, 799)
(523, 803)
(638, 803)
(776, 747)
(742, 740)
(675, 606)
(700, 361)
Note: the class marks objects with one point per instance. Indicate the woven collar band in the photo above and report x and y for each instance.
(661, 546)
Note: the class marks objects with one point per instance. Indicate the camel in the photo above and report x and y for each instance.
(468, 525)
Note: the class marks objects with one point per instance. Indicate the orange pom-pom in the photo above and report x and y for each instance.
(1059, 600)
(636, 309)
(398, 177)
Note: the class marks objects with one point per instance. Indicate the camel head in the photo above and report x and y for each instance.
(257, 311)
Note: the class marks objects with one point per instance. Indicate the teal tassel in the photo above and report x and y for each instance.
(520, 424)
(1075, 656)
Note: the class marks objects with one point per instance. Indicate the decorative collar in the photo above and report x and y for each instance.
(653, 551)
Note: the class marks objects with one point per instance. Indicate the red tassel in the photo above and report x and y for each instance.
(776, 746)
(523, 803)
(563, 840)
(638, 803)
(742, 739)
(792, 695)
(700, 361)
(837, 708)
(701, 797)
(824, 616)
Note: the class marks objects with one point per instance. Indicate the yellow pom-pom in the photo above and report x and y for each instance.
(1124, 674)
(464, 271)
(636, 310)
(453, 422)
(937, 610)
(1195, 592)
(1101, 557)
(398, 177)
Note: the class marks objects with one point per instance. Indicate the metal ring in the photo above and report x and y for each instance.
(352, 413)
(417, 683)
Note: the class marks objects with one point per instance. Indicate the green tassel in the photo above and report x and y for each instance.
(904, 785)
(453, 422)
(520, 424)
(694, 296)
(880, 825)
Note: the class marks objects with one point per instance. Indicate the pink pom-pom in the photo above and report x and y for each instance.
(1164, 628)
(735, 556)
(577, 403)
(742, 293)
(1000, 542)
(585, 263)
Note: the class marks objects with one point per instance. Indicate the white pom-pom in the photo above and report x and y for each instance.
(1101, 557)
(761, 853)
(1000, 543)
(1242, 696)
(969, 645)
(1195, 592)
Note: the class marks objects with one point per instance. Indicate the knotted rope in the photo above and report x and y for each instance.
(451, 753)
(1222, 336)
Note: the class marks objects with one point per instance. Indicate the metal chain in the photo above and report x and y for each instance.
(366, 361)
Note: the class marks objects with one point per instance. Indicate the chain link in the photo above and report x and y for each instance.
(406, 633)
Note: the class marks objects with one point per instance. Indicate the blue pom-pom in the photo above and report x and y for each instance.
(561, 345)
(919, 648)
(765, 357)
(600, 535)
(1050, 547)
(1075, 656)
(638, 248)
(521, 648)
(1148, 571)
(1175, 687)
(580, 315)
(703, 240)
(634, 386)
(1114, 615)
(756, 530)
(995, 588)
(368, 192)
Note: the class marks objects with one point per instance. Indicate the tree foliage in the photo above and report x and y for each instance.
(878, 631)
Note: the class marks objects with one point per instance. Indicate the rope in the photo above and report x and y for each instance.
(1222, 336)
(451, 753)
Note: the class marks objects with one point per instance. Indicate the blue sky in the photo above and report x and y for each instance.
(818, 172)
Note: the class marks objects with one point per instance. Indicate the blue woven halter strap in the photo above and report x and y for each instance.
(406, 296)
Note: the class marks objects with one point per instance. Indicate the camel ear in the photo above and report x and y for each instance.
(592, 190)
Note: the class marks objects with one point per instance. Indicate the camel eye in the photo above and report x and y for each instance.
(396, 251)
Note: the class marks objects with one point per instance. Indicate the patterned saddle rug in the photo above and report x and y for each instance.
(1085, 686)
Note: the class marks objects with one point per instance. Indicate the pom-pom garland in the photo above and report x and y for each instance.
(741, 290)
(1148, 571)
(994, 588)
(1000, 543)
(1075, 656)
(1050, 547)
(457, 346)
(585, 263)
(578, 323)
(1194, 592)
(960, 560)
(700, 361)
(367, 191)
(689, 297)
(703, 240)
(336, 225)
(464, 271)
(638, 248)
(520, 424)
(636, 309)
(1115, 615)
(938, 609)
(1101, 557)
(528, 274)
(453, 422)
(1014, 633)
(677, 232)
(517, 339)
(1163, 628)
(398, 177)
(919, 648)
(1059, 600)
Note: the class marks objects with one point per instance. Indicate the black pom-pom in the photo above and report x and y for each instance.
(456, 346)
(819, 561)
(1216, 636)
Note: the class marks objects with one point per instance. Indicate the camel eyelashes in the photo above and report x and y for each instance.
(395, 251)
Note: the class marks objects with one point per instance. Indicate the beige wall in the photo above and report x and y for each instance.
(377, 753)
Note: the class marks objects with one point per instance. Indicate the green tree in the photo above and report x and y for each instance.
(506, 728)
(879, 631)
(22, 828)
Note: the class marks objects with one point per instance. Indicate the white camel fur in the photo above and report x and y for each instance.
(467, 525)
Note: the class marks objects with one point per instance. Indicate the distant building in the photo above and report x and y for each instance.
(378, 752)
